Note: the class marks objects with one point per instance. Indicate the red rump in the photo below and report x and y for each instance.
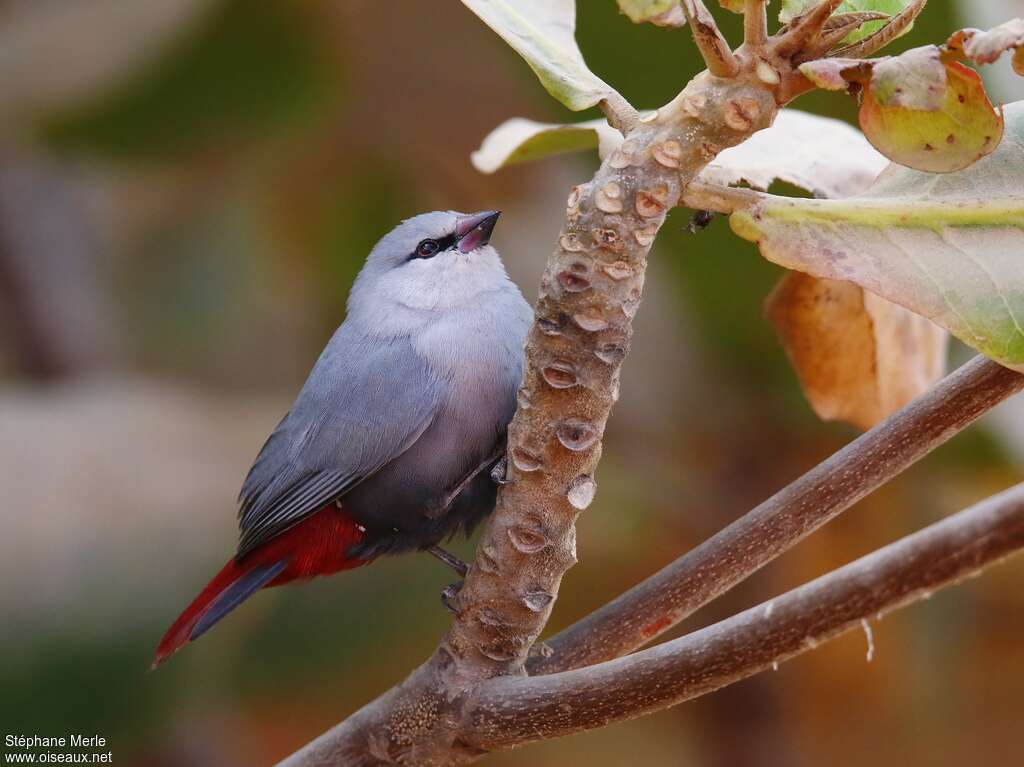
(315, 546)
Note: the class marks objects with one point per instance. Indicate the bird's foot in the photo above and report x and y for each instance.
(541, 650)
(449, 595)
(499, 474)
(449, 559)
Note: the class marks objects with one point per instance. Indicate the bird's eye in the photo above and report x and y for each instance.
(427, 248)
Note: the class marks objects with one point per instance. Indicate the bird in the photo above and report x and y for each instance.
(396, 440)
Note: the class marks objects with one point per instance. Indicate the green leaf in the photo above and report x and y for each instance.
(913, 80)
(964, 128)
(543, 32)
(948, 247)
(793, 8)
(916, 109)
(521, 140)
(663, 13)
(736, 6)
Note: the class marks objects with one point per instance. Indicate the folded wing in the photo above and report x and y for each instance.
(365, 403)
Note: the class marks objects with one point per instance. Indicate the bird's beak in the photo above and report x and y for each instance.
(474, 230)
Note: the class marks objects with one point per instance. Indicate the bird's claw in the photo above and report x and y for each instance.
(499, 473)
(449, 595)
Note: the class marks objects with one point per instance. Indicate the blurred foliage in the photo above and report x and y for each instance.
(255, 67)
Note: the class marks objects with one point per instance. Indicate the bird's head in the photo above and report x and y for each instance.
(431, 262)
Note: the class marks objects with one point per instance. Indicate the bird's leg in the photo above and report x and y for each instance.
(452, 589)
(499, 473)
(449, 559)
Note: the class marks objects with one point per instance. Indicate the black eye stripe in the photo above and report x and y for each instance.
(442, 244)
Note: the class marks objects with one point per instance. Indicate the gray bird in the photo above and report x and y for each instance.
(390, 444)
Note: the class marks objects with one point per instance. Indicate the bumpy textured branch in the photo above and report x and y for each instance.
(589, 294)
(512, 711)
(455, 706)
(805, 29)
(714, 48)
(755, 24)
(741, 549)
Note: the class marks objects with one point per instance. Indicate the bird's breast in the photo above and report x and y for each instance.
(480, 359)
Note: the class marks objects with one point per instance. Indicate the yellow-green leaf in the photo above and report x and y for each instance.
(949, 247)
(543, 32)
(963, 129)
(913, 80)
(736, 6)
(521, 140)
(663, 13)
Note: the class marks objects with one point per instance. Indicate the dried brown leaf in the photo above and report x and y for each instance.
(859, 357)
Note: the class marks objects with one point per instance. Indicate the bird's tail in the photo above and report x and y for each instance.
(318, 545)
(229, 588)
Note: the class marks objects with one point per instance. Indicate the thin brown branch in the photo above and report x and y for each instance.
(620, 114)
(804, 30)
(512, 711)
(714, 48)
(841, 25)
(875, 42)
(755, 24)
(847, 22)
(700, 195)
(741, 549)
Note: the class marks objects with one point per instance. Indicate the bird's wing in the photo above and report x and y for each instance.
(364, 404)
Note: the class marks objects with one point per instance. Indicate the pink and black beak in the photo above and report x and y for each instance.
(474, 230)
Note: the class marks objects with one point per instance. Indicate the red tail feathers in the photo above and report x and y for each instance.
(315, 546)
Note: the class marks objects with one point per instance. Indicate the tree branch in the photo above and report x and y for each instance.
(620, 114)
(513, 711)
(755, 24)
(713, 47)
(700, 195)
(589, 294)
(803, 31)
(657, 604)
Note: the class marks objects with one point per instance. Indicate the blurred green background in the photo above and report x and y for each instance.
(187, 189)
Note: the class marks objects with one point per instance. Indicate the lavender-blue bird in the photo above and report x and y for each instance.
(391, 442)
